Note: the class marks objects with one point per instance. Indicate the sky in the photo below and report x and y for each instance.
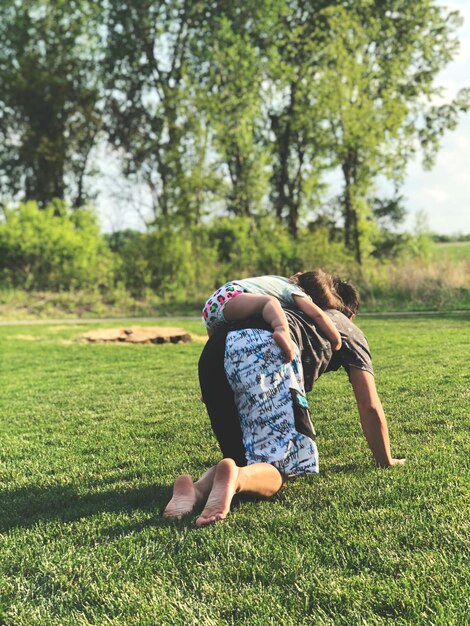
(442, 194)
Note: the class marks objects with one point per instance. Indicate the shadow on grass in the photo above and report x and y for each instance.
(26, 506)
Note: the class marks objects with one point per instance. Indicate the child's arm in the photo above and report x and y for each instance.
(247, 305)
(321, 320)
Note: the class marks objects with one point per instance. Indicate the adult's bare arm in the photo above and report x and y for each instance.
(373, 421)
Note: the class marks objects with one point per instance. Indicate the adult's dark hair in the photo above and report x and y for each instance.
(349, 295)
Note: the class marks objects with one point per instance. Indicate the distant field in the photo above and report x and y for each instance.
(454, 251)
(94, 435)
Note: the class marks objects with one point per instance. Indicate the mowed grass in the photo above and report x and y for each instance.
(94, 435)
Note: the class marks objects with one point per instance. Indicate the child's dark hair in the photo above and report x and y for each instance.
(320, 287)
(349, 295)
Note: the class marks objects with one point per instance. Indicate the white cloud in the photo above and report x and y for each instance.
(436, 195)
(444, 192)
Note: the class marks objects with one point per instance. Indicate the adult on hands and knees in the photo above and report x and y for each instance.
(258, 410)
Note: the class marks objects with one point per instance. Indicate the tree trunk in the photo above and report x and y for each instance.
(287, 184)
(348, 206)
(356, 242)
(351, 226)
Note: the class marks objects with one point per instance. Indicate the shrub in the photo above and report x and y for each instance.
(53, 248)
(181, 263)
(131, 266)
(315, 249)
(247, 247)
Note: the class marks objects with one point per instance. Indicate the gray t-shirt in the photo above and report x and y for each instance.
(317, 355)
(281, 288)
(355, 350)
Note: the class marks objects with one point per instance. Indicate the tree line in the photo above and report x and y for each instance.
(59, 249)
(227, 107)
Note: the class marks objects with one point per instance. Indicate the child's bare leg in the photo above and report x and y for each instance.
(246, 305)
(260, 479)
(186, 494)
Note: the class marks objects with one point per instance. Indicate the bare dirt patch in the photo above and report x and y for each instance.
(138, 335)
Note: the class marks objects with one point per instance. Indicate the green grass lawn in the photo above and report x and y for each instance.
(94, 435)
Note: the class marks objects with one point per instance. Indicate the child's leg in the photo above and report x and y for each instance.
(246, 305)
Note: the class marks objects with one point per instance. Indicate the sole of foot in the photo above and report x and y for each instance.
(220, 497)
(183, 500)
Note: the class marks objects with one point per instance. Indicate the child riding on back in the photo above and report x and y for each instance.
(264, 295)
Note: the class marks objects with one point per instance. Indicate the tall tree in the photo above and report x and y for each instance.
(295, 118)
(256, 62)
(377, 84)
(154, 121)
(227, 67)
(49, 98)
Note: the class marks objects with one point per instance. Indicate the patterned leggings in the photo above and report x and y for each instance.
(264, 385)
(213, 311)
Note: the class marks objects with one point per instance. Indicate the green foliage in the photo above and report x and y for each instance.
(50, 92)
(224, 108)
(230, 94)
(131, 262)
(155, 120)
(316, 249)
(172, 263)
(379, 65)
(53, 248)
(185, 264)
(182, 263)
(246, 246)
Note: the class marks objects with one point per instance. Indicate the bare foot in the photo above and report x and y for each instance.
(283, 340)
(397, 462)
(222, 492)
(184, 498)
